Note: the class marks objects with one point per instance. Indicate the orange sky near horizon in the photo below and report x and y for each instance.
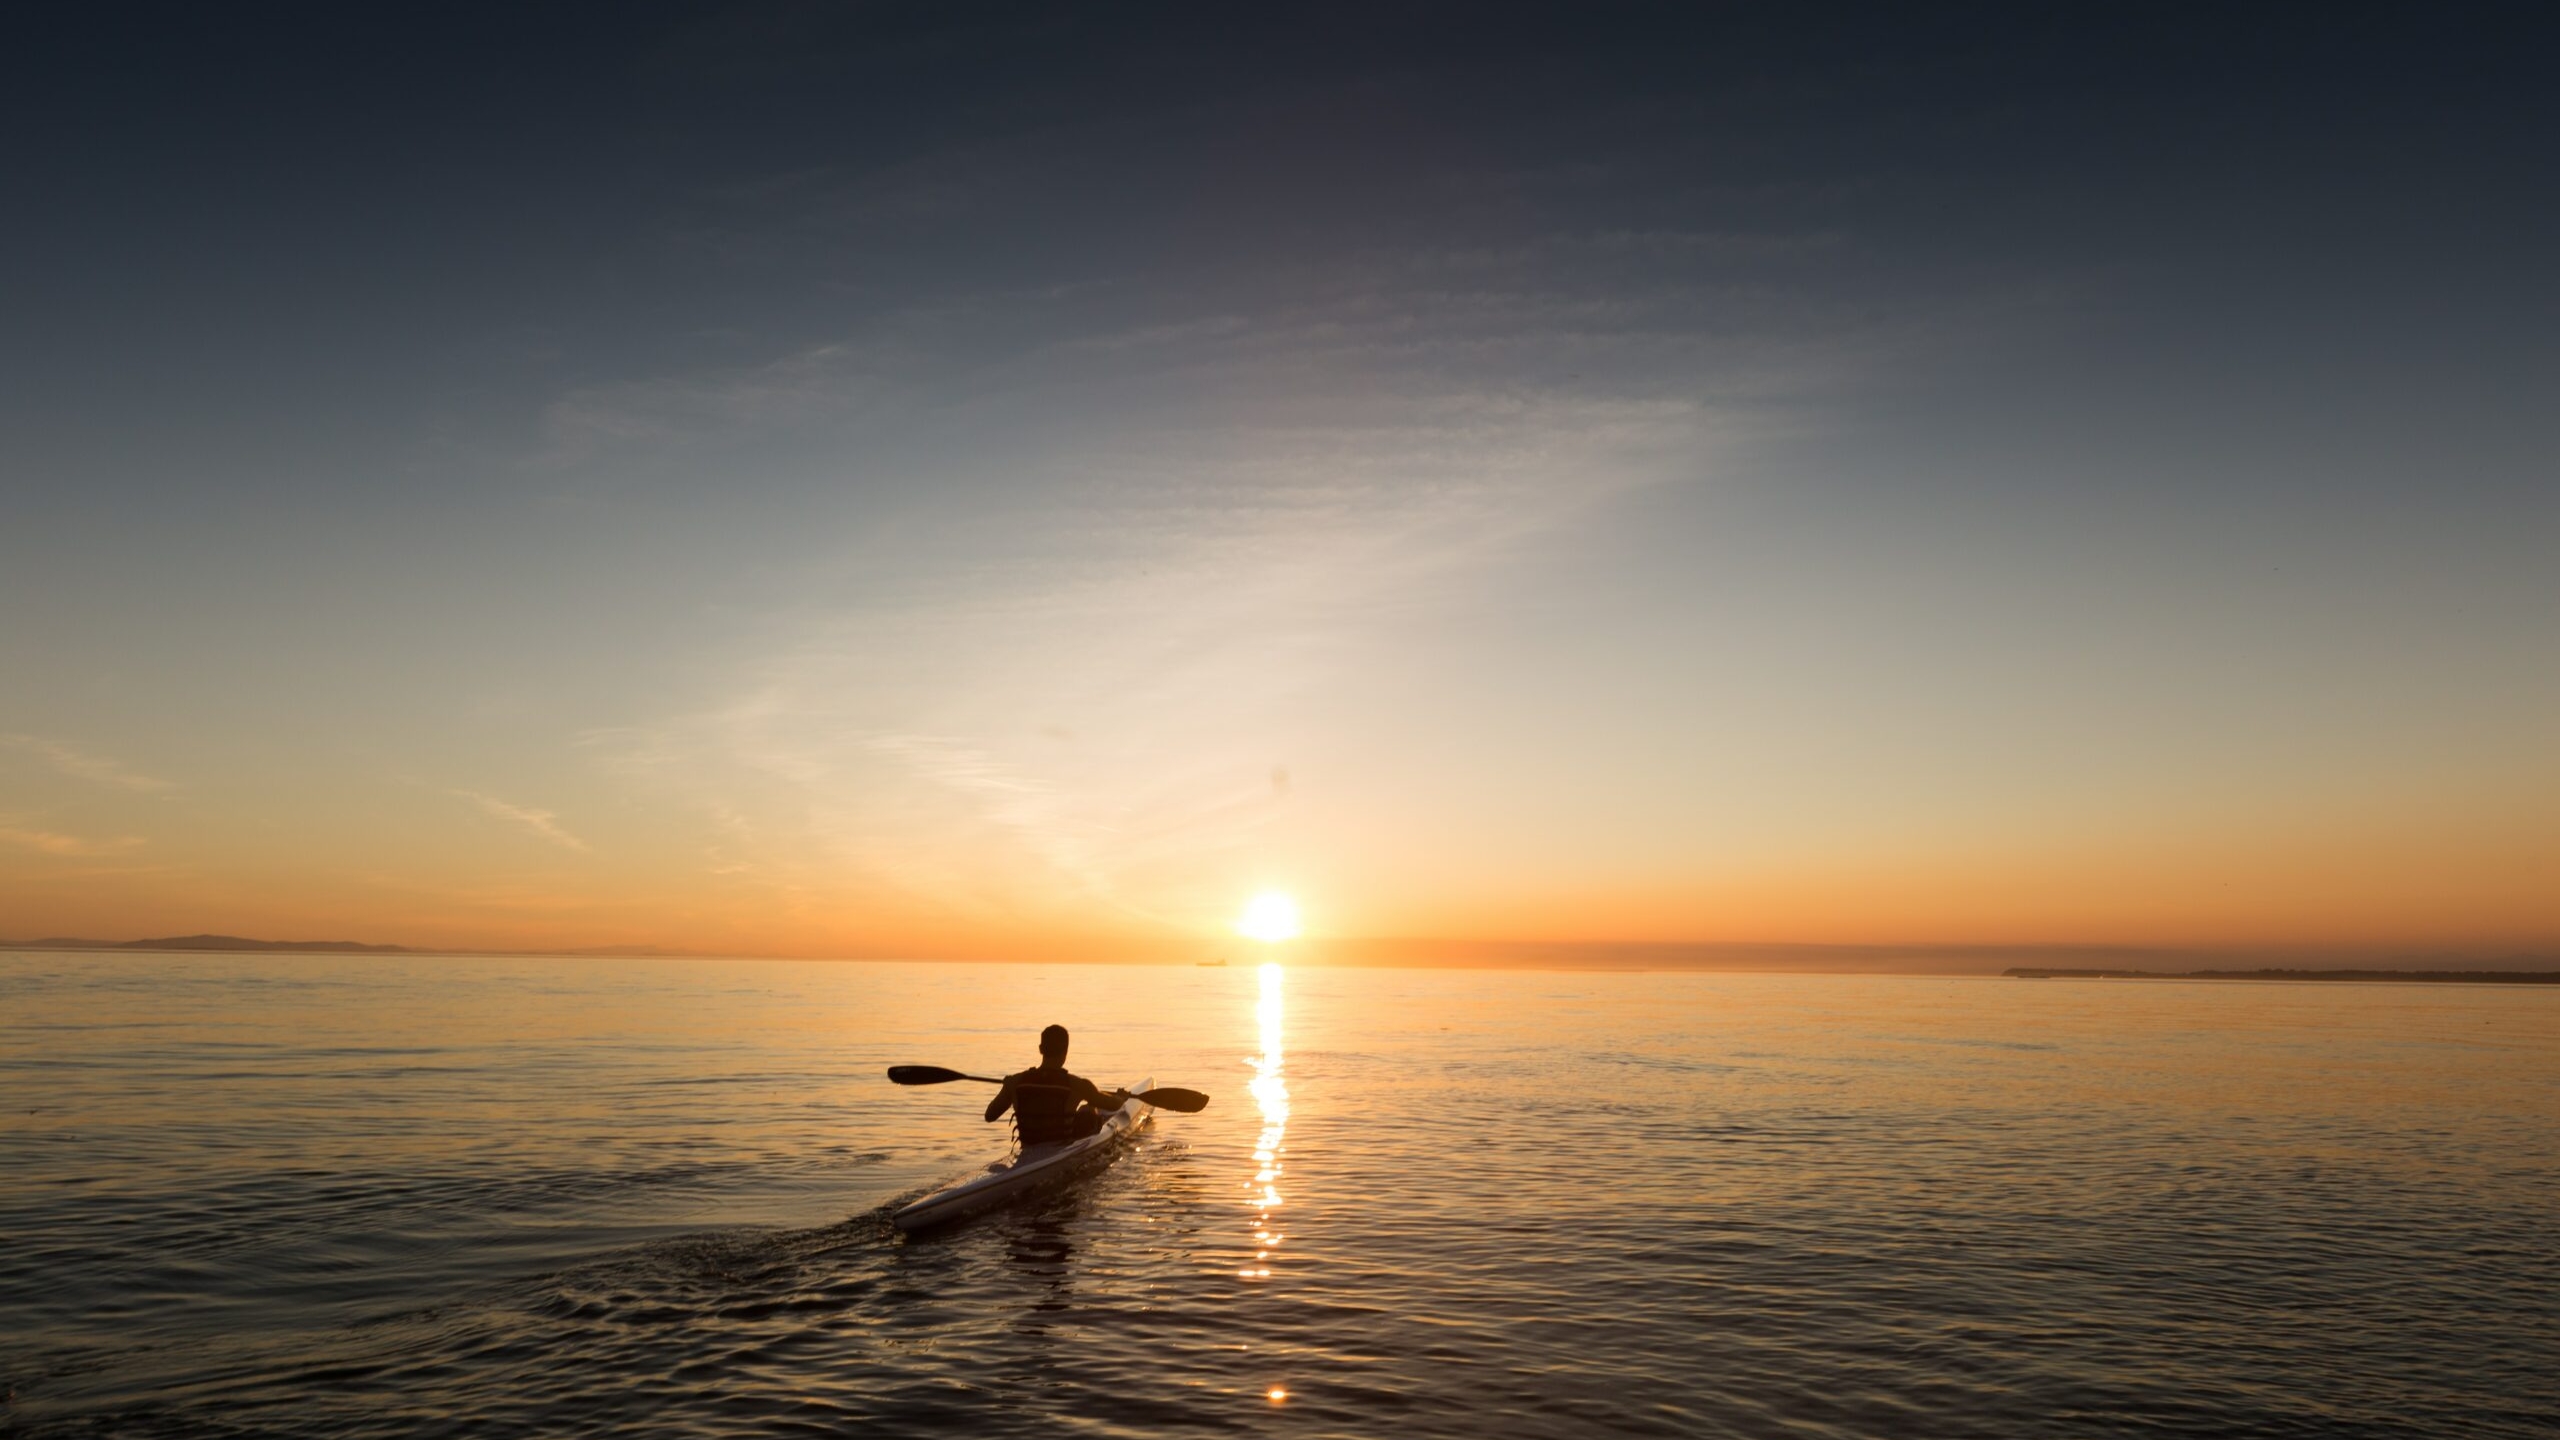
(432, 869)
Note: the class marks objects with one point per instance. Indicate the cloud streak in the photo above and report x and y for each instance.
(82, 764)
(543, 824)
(1028, 809)
(53, 843)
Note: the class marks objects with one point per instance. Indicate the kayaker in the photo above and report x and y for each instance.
(1050, 1104)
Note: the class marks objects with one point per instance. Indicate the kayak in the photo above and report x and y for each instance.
(1031, 1169)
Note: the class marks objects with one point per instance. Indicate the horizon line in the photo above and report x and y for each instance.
(1932, 957)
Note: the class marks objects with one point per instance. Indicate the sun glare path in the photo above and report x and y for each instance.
(1271, 1096)
(1271, 918)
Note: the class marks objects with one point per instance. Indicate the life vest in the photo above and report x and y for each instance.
(1044, 1110)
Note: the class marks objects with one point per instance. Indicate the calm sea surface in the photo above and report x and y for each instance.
(288, 1196)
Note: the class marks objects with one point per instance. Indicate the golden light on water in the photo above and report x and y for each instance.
(1271, 1095)
(1271, 918)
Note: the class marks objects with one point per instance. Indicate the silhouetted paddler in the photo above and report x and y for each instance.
(1048, 1102)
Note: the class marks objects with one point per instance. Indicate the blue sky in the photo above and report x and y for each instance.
(914, 480)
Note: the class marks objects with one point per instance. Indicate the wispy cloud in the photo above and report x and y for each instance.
(1173, 515)
(1029, 809)
(542, 823)
(52, 843)
(797, 388)
(82, 764)
(1168, 593)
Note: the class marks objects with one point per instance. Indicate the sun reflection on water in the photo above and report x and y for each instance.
(1271, 1093)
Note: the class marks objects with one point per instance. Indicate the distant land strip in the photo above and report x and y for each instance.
(312, 947)
(2438, 977)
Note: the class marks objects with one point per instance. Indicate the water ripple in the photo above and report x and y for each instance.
(654, 1201)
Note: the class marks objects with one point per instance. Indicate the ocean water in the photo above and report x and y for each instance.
(308, 1196)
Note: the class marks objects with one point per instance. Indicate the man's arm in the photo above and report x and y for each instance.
(1100, 1099)
(1002, 1102)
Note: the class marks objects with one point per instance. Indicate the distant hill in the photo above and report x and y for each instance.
(212, 942)
(244, 945)
(235, 942)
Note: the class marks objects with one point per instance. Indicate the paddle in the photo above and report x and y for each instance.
(1184, 1102)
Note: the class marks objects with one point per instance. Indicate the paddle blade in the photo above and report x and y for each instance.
(1186, 1102)
(922, 1075)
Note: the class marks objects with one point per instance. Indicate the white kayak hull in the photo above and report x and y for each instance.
(1027, 1171)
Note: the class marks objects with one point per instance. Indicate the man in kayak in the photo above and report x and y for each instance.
(1050, 1104)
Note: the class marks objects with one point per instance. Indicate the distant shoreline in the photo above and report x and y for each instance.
(241, 945)
(2404, 977)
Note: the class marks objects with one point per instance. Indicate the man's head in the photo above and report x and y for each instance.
(1053, 1045)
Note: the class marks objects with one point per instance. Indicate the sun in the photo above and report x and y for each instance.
(1272, 917)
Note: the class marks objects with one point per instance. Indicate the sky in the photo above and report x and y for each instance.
(1017, 482)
